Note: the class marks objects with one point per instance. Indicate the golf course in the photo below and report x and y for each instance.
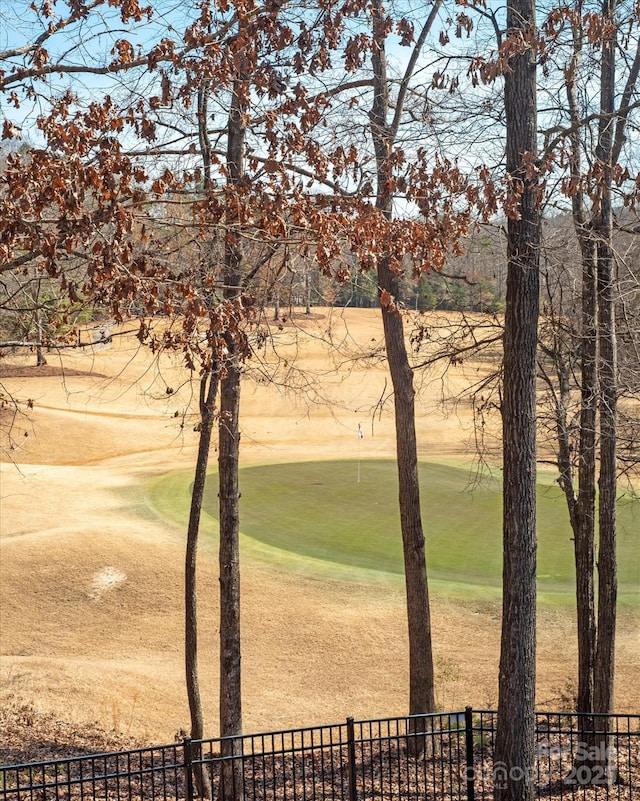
(96, 476)
(344, 513)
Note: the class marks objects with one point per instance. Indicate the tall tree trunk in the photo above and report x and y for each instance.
(208, 392)
(228, 464)
(584, 530)
(229, 558)
(514, 753)
(583, 519)
(207, 399)
(421, 673)
(607, 481)
(608, 388)
(604, 666)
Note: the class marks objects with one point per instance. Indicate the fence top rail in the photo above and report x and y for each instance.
(598, 715)
(98, 756)
(334, 727)
(337, 728)
(457, 713)
(327, 727)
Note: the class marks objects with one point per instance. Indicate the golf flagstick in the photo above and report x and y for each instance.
(360, 436)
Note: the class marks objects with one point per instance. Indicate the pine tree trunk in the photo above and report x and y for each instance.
(516, 720)
(514, 752)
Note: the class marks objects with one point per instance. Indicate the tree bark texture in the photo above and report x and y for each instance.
(607, 481)
(583, 522)
(583, 513)
(584, 530)
(604, 667)
(229, 565)
(421, 676)
(228, 466)
(596, 643)
(514, 754)
(421, 673)
(208, 392)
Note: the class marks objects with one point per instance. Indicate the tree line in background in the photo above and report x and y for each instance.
(197, 167)
(35, 310)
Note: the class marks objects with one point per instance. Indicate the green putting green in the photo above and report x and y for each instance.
(342, 514)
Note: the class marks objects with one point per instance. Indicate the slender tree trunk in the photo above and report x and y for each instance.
(40, 357)
(583, 520)
(584, 531)
(514, 752)
(604, 664)
(208, 391)
(421, 673)
(607, 481)
(229, 557)
(307, 292)
(228, 465)
(207, 399)
(584, 523)
(608, 388)
(421, 676)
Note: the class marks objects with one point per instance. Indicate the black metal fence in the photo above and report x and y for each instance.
(440, 756)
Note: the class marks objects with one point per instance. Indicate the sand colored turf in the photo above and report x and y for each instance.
(91, 574)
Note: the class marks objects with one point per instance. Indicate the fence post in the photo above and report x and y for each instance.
(468, 738)
(351, 751)
(188, 769)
